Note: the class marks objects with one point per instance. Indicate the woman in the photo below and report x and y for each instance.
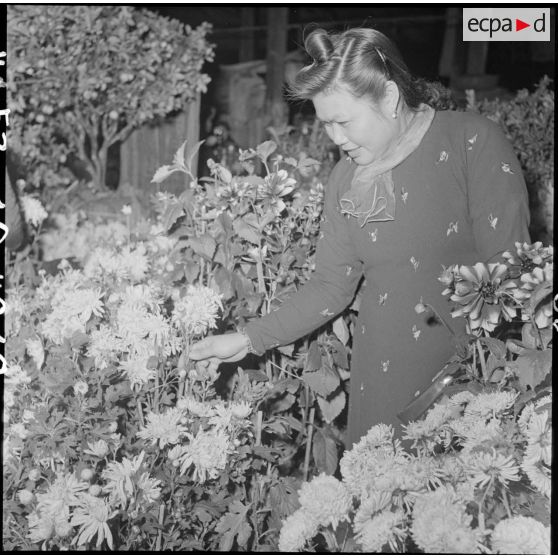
(420, 188)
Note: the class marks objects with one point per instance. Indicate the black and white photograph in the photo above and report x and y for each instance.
(278, 279)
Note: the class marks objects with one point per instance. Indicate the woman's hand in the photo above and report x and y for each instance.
(227, 348)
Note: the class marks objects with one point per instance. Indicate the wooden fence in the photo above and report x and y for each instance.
(152, 146)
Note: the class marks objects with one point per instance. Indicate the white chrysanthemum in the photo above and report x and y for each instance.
(134, 262)
(164, 428)
(491, 404)
(326, 499)
(375, 503)
(529, 409)
(296, 531)
(81, 388)
(120, 479)
(521, 535)
(41, 526)
(26, 497)
(440, 524)
(197, 312)
(91, 516)
(370, 465)
(382, 529)
(222, 416)
(105, 346)
(35, 350)
(474, 431)
(539, 476)
(241, 410)
(18, 430)
(65, 491)
(33, 210)
(196, 408)
(136, 370)
(104, 261)
(486, 467)
(539, 439)
(99, 449)
(207, 452)
(149, 488)
(71, 310)
(14, 375)
(419, 473)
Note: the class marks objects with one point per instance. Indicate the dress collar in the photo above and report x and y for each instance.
(371, 196)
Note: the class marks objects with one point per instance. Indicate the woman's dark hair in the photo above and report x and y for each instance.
(362, 61)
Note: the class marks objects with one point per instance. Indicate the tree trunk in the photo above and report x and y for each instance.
(276, 108)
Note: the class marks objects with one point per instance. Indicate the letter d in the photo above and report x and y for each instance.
(542, 20)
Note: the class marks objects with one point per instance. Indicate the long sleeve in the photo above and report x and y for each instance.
(329, 290)
(497, 195)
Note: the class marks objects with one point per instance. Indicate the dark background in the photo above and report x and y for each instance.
(417, 31)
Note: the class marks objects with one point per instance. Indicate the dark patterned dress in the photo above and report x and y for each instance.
(460, 199)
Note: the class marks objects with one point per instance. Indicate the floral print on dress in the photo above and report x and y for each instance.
(471, 142)
(414, 262)
(444, 156)
(374, 235)
(507, 168)
(363, 329)
(382, 299)
(492, 220)
(452, 228)
(326, 312)
(416, 332)
(404, 195)
(385, 365)
(348, 270)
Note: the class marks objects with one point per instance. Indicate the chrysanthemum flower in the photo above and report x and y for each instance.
(530, 282)
(448, 278)
(149, 488)
(135, 369)
(491, 404)
(485, 467)
(440, 524)
(527, 256)
(164, 428)
(98, 449)
(483, 295)
(35, 350)
(419, 473)
(276, 186)
(539, 439)
(197, 312)
(326, 499)
(33, 210)
(91, 516)
(41, 526)
(207, 452)
(521, 535)
(297, 530)
(120, 478)
(25, 497)
(385, 528)
(66, 490)
(539, 476)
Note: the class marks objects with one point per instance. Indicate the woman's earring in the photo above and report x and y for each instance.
(394, 115)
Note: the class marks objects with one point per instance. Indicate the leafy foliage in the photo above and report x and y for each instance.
(81, 78)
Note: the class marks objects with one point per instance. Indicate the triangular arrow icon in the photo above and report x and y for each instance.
(519, 25)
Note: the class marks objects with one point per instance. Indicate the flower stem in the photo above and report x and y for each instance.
(482, 360)
(449, 328)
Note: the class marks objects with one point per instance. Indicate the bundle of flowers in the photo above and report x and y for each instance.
(473, 474)
(104, 433)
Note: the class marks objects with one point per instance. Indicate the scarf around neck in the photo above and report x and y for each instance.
(371, 196)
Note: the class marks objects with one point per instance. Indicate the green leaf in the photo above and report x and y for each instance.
(324, 451)
(192, 154)
(234, 524)
(495, 346)
(191, 271)
(283, 404)
(265, 149)
(162, 173)
(203, 245)
(323, 382)
(341, 330)
(172, 214)
(314, 357)
(331, 408)
(533, 366)
(242, 229)
(178, 160)
(541, 292)
(340, 354)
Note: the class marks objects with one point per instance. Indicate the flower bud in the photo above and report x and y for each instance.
(87, 474)
(420, 308)
(94, 490)
(34, 475)
(25, 497)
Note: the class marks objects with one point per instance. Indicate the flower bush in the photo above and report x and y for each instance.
(81, 78)
(473, 474)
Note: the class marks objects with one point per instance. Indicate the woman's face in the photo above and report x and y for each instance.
(363, 129)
